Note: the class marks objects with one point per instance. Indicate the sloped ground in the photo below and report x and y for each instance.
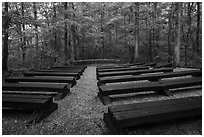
(81, 113)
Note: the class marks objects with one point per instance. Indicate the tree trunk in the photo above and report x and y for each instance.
(198, 27)
(131, 48)
(178, 38)
(169, 36)
(23, 47)
(36, 33)
(188, 33)
(55, 34)
(65, 35)
(75, 37)
(102, 37)
(150, 55)
(36, 26)
(5, 39)
(150, 46)
(136, 49)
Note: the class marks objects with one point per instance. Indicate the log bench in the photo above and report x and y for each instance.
(64, 74)
(120, 117)
(62, 89)
(150, 64)
(123, 66)
(78, 67)
(133, 72)
(152, 77)
(167, 65)
(70, 80)
(160, 87)
(123, 69)
(42, 105)
(80, 70)
(61, 70)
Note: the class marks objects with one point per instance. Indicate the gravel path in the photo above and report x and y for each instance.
(81, 113)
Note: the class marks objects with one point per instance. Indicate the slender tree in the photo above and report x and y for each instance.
(102, 37)
(5, 37)
(65, 34)
(23, 47)
(170, 34)
(36, 26)
(198, 27)
(136, 48)
(178, 38)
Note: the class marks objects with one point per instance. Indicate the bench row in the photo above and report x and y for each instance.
(37, 91)
(162, 87)
(120, 117)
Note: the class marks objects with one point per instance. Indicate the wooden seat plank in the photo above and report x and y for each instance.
(64, 74)
(70, 80)
(129, 88)
(106, 90)
(124, 69)
(61, 70)
(42, 105)
(133, 72)
(170, 65)
(152, 77)
(123, 116)
(161, 87)
(63, 89)
(26, 102)
(38, 93)
(150, 104)
(177, 83)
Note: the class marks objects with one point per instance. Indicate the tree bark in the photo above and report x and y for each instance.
(188, 33)
(5, 39)
(75, 37)
(36, 26)
(178, 38)
(136, 49)
(198, 27)
(23, 47)
(65, 35)
(55, 34)
(131, 48)
(102, 37)
(169, 36)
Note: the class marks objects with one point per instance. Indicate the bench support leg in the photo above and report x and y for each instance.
(113, 129)
(165, 92)
(104, 99)
(37, 116)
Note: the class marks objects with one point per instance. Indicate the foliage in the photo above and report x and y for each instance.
(88, 23)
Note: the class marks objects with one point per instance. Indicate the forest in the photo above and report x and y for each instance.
(42, 34)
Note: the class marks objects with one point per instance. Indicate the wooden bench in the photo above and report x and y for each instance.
(152, 77)
(118, 66)
(150, 64)
(167, 65)
(64, 74)
(133, 72)
(42, 105)
(81, 70)
(62, 89)
(160, 87)
(70, 80)
(78, 67)
(120, 117)
(61, 70)
(124, 69)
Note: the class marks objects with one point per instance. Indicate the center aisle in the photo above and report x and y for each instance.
(80, 112)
